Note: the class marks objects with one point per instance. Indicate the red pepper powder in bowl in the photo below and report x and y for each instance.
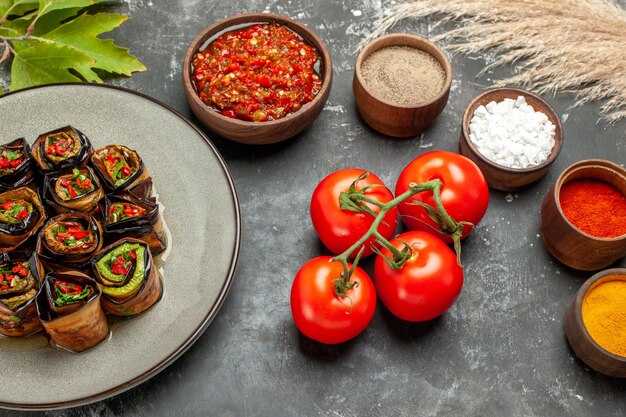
(594, 207)
(258, 73)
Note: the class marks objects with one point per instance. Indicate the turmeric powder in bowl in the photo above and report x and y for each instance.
(604, 313)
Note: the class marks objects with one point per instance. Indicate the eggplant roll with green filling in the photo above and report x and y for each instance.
(119, 167)
(60, 149)
(70, 239)
(128, 278)
(16, 165)
(129, 216)
(21, 215)
(70, 311)
(20, 273)
(75, 189)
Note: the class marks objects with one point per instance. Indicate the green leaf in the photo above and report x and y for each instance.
(5, 5)
(46, 63)
(56, 46)
(52, 20)
(47, 6)
(18, 27)
(81, 34)
(17, 8)
(44, 24)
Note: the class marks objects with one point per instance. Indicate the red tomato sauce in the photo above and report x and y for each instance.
(258, 73)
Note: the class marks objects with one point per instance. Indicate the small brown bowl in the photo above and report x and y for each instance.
(500, 177)
(565, 242)
(392, 119)
(587, 350)
(258, 133)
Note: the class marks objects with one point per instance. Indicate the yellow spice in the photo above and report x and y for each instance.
(604, 314)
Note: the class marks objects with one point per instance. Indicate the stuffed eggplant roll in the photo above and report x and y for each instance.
(129, 216)
(128, 278)
(19, 285)
(70, 239)
(60, 149)
(74, 189)
(16, 165)
(70, 311)
(119, 168)
(21, 215)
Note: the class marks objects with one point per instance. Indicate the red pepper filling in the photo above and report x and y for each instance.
(124, 211)
(16, 210)
(10, 276)
(122, 264)
(71, 235)
(77, 185)
(60, 145)
(68, 287)
(10, 159)
(118, 169)
(259, 73)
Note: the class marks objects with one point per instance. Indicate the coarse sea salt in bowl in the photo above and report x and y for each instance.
(513, 144)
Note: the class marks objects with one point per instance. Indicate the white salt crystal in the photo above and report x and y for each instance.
(480, 111)
(511, 133)
(491, 107)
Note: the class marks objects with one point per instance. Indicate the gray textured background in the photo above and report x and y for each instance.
(499, 351)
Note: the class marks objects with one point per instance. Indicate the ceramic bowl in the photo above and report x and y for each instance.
(498, 176)
(587, 350)
(257, 133)
(392, 119)
(565, 242)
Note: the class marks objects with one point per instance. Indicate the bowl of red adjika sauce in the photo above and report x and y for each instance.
(583, 216)
(401, 84)
(257, 78)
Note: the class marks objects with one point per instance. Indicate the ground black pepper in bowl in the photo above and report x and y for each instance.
(401, 84)
(403, 75)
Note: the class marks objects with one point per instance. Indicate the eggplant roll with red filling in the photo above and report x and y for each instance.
(119, 167)
(128, 278)
(16, 165)
(70, 239)
(129, 216)
(60, 149)
(70, 311)
(75, 189)
(21, 215)
(20, 273)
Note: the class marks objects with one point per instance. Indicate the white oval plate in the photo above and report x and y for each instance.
(201, 210)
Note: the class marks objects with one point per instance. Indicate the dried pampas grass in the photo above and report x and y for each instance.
(557, 45)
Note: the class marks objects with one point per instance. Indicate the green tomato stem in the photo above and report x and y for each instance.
(448, 225)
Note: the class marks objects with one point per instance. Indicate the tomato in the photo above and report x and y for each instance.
(427, 284)
(322, 315)
(465, 194)
(339, 229)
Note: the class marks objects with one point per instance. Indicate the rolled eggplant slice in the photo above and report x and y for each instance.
(21, 216)
(70, 239)
(143, 190)
(70, 312)
(119, 167)
(20, 274)
(61, 149)
(128, 278)
(16, 165)
(75, 189)
(128, 216)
